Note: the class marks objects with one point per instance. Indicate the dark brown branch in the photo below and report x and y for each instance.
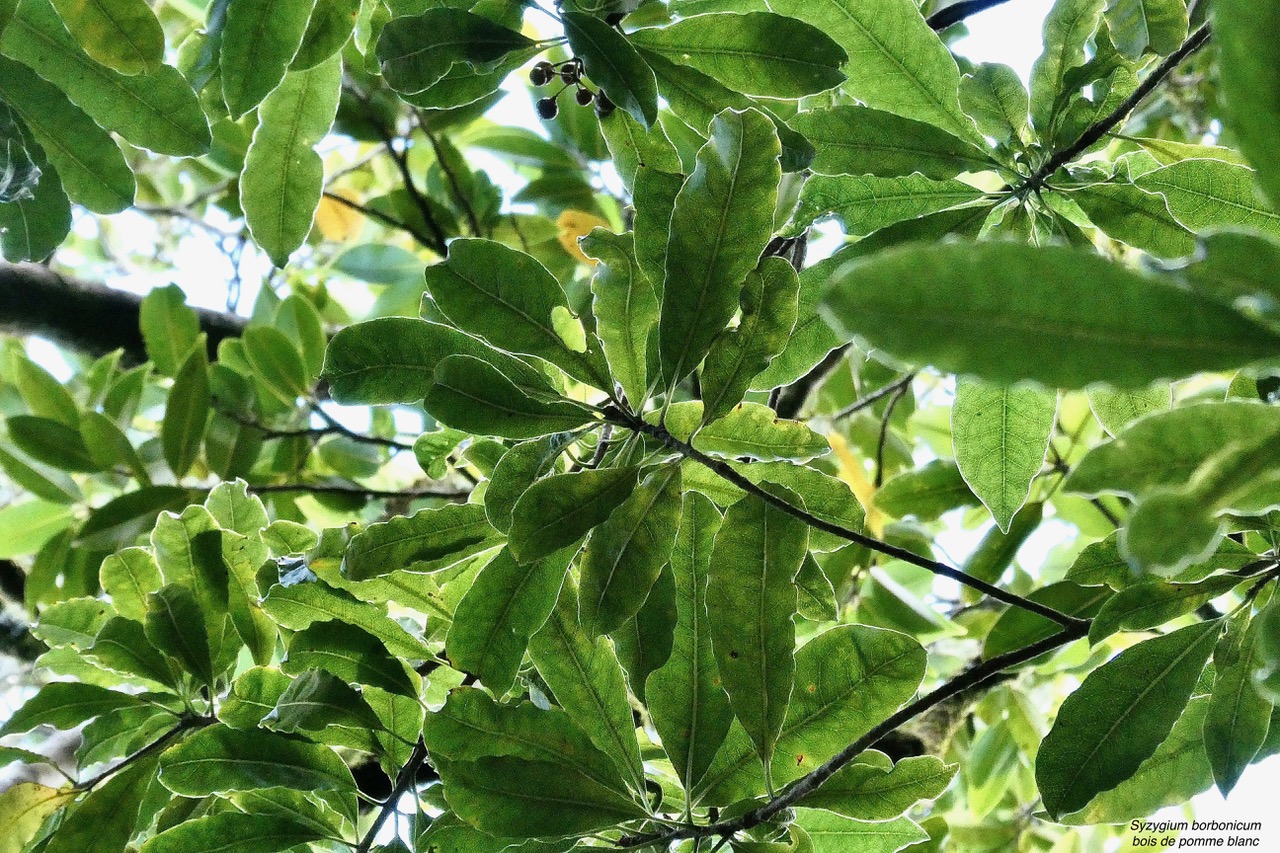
(406, 779)
(874, 397)
(454, 184)
(883, 438)
(970, 679)
(957, 12)
(87, 316)
(379, 216)
(184, 725)
(1096, 131)
(727, 471)
(787, 401)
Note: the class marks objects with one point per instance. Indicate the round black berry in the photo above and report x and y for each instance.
(584, 97)
(569, 74)
(541, 74)
(547, 108)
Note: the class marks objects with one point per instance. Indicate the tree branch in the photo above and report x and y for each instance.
(970, 679)
(874, 397)
(957, 12)
(186, 724)
(379, 216)
(1094, 132)
(406, 779)
(727, 471)
(87, 316)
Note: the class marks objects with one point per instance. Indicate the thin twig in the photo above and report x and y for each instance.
(727, 471)
(186, 724)
(454, 184)
(338, 427)
(970, 679)
(379, 216)
(1094, 132)
(957, 12)
(874, 397)
(317, 432)
(405, 779)
(884, 430)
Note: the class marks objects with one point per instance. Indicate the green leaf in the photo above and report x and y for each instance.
(1166, 449)
(123, 35)
(233, 832)
(1119, 716)
(328, 29)
(170, 329)
(31, 228)
(588, 683)
(89, 162)
(26, 526)
(847, 679)
(1250, 81)
(506, 297)
(235, 509)
(187, 412)
(252, 696)
(1066, 30)
(317, 699)
(654, 198)
(855, 140)
(561, 509)
(994, 96)
(749, 429)
(1078, 319)
(283, 175)
(1239, 717)
(516, 471)
(122, 646)
(1000, 437)
(119, 522)
(473, 395)
(758, 53)
(626, 310)
(630, 146)
(1137, 26)
(769, 303)
(643, 642)
(43, 394)
(259, 39)
(505, 605)
(107, 817)
(867, 204)
(832, 833)
(348, 652)
(109, 446)
(65, 705)
(528, 799)
(39, 479)
(689, 707)
(430, 540)
(1136, 216)
(817, 597)
(897, 63)
(276, 361)
(614, 65)
(24, 808)
(71, 622)
(810, 339)
(751, 602)
(1211, 193)
(51, 442)
(175, 624)
(218, 759)
(156, 110)
(299, 320)
(417, 51)
(1149, 603)
(627, 551)
(722, 219)
(298, 606)
(1116, 409)
(394, 359)
(925, 492)
(1017, 628)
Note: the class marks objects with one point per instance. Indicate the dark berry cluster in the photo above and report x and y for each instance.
(569, 73)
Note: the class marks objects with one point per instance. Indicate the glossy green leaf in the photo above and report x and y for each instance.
(283, 176)
(219, 759)
(631, 146)
(614, 65)
(810, 339)
(506, 297)
(317, 699)
(627, 551)
(122, 646)
(170, 329)
(88, 161)
(561, 509)
(107, 817)
(1153, 602)
(847, 679)
(417, 51)
(871, 792)
(233, 832)
(1017, 628)
(758, 53)
(25, 807)
(1000, 437)
(626, 310)
(123, 35)
(258, 41)
(44, 395)
(51, 442)
(276, 362)
(427, 541)
(1137, 26)
(588, 683)
(187, 412)
(1116, 409)
(1239, 717)
(31, 228)
(175, 624)
(722, 219)
(505, 605)
(865, 204)
(644, 641)
(769, 303)
(1119, 716)
(748, 429)
(27, 525)
(65, 705)
(833, 833)
(1250, 81)
(120, 521)
(997, 549)
(473, 395)
(855, 140)
(128, 576)
(751, 601)
(1136, 216)
(1211, 193)
(348, 652)
(328, 29)
(109, 446)
(298, 606)
(1068, 25)
(1079, 318)
(993, 94)
(926, 492)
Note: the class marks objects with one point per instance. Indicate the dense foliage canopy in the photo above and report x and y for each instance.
(631, 523)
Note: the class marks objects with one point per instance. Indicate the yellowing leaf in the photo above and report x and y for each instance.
(574, 224)
(23, 808)
(851, 472)
(336, 221)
